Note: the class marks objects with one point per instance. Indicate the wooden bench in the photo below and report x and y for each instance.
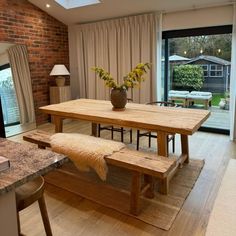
(198, 96)
(140, 163)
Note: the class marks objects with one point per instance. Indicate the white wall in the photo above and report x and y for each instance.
(214, 16)
(4, 59)
(206, 17)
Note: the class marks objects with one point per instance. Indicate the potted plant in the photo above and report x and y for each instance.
(227, 99)
(131, 80)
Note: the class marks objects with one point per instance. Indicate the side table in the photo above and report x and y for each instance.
(58, 95)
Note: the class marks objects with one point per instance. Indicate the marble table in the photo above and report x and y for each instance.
(26, 163)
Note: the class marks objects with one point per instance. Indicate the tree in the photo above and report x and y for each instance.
(213, 45)
(188, 77)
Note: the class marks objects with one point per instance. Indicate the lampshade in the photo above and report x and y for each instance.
(59, 70)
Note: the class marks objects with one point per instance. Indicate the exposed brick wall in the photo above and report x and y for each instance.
(46, 40)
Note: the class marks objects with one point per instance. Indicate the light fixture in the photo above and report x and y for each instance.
(219, 50)
(185, 52)
(48, 5)
(59, 70)
(201, 51)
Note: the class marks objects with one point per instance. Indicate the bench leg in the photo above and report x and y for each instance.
(135, 193)
(164, 186)
(148, 180)
(185, 103)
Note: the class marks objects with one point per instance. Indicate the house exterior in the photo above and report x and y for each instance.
(216, 73)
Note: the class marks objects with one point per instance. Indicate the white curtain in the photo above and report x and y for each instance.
(116, 45)
(18, 58)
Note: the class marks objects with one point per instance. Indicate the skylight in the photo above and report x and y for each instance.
(68, 4)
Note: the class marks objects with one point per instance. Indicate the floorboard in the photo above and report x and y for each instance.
(73, 215)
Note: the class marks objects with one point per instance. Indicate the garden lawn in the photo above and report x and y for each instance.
(216, 98)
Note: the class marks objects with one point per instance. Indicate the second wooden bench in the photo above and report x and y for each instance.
(140, 163)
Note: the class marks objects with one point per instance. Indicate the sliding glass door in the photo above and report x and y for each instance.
(9, 105)
(196, 66)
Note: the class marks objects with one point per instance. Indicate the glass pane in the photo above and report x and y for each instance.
(8, 98)
(200, 67)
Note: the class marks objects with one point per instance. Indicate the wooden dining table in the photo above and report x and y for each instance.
(163, 120)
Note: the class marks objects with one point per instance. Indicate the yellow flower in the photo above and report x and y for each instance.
(134, 77)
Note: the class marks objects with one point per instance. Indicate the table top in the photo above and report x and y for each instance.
(146, 117)
(26, 163)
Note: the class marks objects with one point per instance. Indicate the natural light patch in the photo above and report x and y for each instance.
(68, 4)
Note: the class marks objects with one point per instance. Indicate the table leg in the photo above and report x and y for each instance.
(185, 148)
(94, 130)
(164, 186)
(58, 124)
(162, 144)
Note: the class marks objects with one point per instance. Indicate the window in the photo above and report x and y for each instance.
(216, 70)
(189, 43)
(8, 96)
(205, 70)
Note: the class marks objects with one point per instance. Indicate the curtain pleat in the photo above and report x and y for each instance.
(118, 46)
(18, 58)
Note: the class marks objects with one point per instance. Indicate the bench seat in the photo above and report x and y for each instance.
(174, 95)
(204, 97)
(139, 163)
(189, 97)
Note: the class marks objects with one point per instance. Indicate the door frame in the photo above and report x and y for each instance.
(170, 34)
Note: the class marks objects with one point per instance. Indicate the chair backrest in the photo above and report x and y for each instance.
(162, 103)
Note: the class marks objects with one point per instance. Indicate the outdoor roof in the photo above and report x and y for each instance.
(178, 58)
(213, 59)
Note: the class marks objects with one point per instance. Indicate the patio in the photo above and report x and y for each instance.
(219, 118)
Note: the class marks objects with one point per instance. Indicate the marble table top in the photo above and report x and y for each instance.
(26, 163)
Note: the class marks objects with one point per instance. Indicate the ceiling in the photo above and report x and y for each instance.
(118, 8)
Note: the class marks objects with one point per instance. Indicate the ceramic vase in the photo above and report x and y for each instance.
(118, 98)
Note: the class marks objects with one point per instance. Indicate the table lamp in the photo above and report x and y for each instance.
(59, 70)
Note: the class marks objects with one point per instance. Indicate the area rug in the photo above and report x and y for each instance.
(159, 212)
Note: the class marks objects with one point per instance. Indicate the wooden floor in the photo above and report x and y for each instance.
(18, 129)
(72, 215)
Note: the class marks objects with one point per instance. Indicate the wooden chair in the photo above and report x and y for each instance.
(149, 134)
(27, 194)
(116, 129)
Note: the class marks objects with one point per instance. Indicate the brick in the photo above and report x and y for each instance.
(46, 40)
